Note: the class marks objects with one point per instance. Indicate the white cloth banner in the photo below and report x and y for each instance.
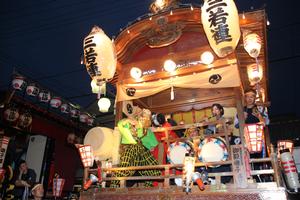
(229, 78)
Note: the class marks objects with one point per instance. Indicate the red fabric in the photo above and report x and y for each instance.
(159, 136)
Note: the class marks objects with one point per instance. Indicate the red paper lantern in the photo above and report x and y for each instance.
(254, 137)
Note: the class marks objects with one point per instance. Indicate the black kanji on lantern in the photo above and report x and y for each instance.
(217, 19)
(90, 57)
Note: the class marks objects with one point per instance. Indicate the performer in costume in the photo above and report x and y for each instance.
(138, 140)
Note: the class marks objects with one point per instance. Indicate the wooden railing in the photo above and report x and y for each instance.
(166, 167)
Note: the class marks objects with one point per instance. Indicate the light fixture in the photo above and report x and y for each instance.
(169, 65)
(252, 43)
(104, 104)
(207, 57)
(86, 155)
(135, 72)
(244, 17)
(285, 144)
(255, 73)
(160, 4)
(254, 137)
(95, 87)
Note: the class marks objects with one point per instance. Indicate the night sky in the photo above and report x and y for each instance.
(43, 40)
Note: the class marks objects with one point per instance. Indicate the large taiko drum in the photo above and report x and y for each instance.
(176, 152)
(212, 150)
(104, 141)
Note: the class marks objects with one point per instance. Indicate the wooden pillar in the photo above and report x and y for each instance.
(275, 167)
(240, 113)
(119, 113)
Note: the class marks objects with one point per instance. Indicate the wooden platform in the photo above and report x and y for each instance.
(258, 191)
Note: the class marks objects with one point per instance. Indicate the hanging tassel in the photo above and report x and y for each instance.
(172, 93)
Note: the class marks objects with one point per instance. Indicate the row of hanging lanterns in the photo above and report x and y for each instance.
(12, 115)
(19, 83)
(100, 60)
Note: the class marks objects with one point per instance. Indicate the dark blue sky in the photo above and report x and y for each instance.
(43, 39)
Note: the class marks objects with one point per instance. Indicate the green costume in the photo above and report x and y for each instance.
(136, 152)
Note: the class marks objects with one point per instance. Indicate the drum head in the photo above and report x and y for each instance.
(212, 150)
(101, 139)
(176, 152)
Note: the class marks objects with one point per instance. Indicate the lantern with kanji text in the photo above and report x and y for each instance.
(220, 21)
(86, 155)
(99, 56)
(254, 137)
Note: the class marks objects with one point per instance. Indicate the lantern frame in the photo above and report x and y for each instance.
(86, 155)
(254, 137)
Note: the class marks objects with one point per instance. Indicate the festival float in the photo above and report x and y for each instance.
(180, 59)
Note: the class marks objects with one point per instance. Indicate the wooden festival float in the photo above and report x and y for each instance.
(176, 32)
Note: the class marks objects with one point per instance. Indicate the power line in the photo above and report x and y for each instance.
(55, 24)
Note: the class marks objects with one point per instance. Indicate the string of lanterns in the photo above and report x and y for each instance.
(19, 83)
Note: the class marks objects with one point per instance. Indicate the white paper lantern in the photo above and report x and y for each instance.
(99, 55)
(44, 96)
(104, 104)
(55, 102)
(18, 83)
(65, 108)
(74, 113)
(169, 65)
(32, 90)
(255, 73)
(252, 43)
(220, 21)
